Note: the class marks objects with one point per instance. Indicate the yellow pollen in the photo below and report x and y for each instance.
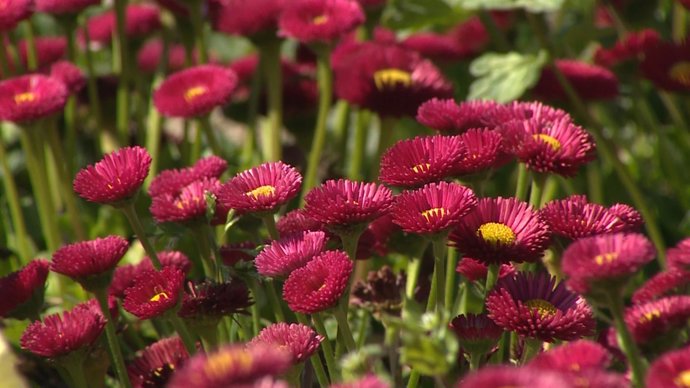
(680, 72)
(24, 98)
(496, 233)
(544, 308)
(606, 258)
(390, 78)
(437, 212)
(262, 191)
(220, 364)
(683, 379)
(550, 140)
(195, 92)
(421, 168)
(650, 316)
(160, 293)
(321, 19)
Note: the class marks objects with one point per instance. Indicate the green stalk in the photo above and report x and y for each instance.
(123, 63)
(344, 331)
(475, 360)
(270, 224)
(183, 332)
(451, 263)
(113, 343)
(413, 268)
(273, 74)
(391, 340)
(139, 231)
(522, 182)
(315, 359)
(594, 183)
(360, 144)
(413, 381)
(211, 267)
(247, 157)
(105, 142)
(4, 60)
(256, 317)
(538, 181)
(69, 25)
(342, 115)
(328, 353)
(439, 246)
(491, 277)
(627, 343)
(153, 131)
(274, 300)
(532, 348)
(386, 137)
(75, 371)
(204, 123)
(198, 26)
(324, 76)
(463, 298)
(679, 26)
(496, 34)
(18, 223)
(31, 57)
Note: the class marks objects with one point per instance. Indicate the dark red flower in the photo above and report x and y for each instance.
(649, 321)
(302, 341)
(573, 357)
(447, 116)
(22, 291)
(124, 276)
(173, 181)
(507, 376)
(662, 284)
(188, 206)
(381, 292)
(671, 370)
(477, 334)
(437, 47)
(628, 215)
(157, 363)
(319, 21)
(14, 11)
(60, 7)
(195, 91)
(283, 256)
(154, 292)
(232, 254)
(212, 301)
(482, 150)
(90, 262)
(319, 284)
(141, 20)
(535, 306)
(297, 221)
(246, 17)
(590, 82)
(115, 178)
(31, 97)
(679, 255)
(70, 75)
(667, 65)
(151, 53)
(474, 270)
(374, 240)
(632, 46)
(49, 49)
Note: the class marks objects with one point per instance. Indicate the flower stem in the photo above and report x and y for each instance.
(69, 25)
(105, 140)
(31, 57)
(75, 371)
(270, 224)
(439, 246)
(4, 60)
(315, 359)
(247, 158)
(198, 26)
(626, 342)
(532, 348)
(138, 228)
(113, 344)
(273, 74)
(342, 115)
(328, 353)
(18, 223)
(413, 381)
(204, 124)
(344, 331)
(183, 332)
(522, 182)
(211, 267)
(324, 76)
(535, 194)
(491, 277)
(450, 263)
(122, 61)
(274, 300)
(386, 137)
(413, 268)
(475, 360)
(360, 144)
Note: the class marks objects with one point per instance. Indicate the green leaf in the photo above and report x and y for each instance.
(504, 77)
(529, 5)
(417, 14)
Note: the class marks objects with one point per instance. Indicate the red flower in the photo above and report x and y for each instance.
(670, 370)
(22, 291)
(474, 270)
(250, 18)
(12, 12)
(631, 47)
(574, 357)
(667, 65)
(679, 255)
(31, 97)
(302, 341)
(115, 178)
(173, 181)
(141, 20)
(437, 47)
(157, 363)
(154, 292)
(124, 276)
(195, 91)
(476, 334)
(381, 292)
(283, 256)
(232, 254)
(150, 56)
(319, 21)
(664, 283)
(449, 117)
(685, 3)
(590, 82)
(90, 262)
(482, 150)
(61, 334)
(59, 7)
(297, 221)
(49, 49)
(319, 284)
(649, 321)
(212, 301)
(70, 75)
(374, 239)
(507, 376)
(188, 206)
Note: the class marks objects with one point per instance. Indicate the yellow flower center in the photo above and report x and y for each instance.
(321, 19)
(550, 140)
(389, 78)
(606, 258)
(544, 308)
(262, 191)
(422, 167)
(650, 316)
(680, 72)
(496, 233)
(192, 93)
(160, 295)
(683, 379)
(436, 212)
(220, 364)
(25, 97)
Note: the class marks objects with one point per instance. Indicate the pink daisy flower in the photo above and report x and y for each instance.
(22, 291)
(671, 370)
(447, 116)
(573, 357)
(662, 284)
(234, 253)
(174, 180)
(302, 341)
(283, 256)
(632, 46)
(666, 65)
(590, 82)
(124, 276)
(508, 376)
(679, 255)
(141, 20)
(482, 150)
(477, 334)
(474, 270)
(151, 53)
(31, 97)
(297, 221)
(14, 11)
(90, 263)
(60, 7)
(70, 75)
(374, 240)
(250, 18)
(49, 49)
(157, 363)
(650, 321)
(154, 292)
(188, 206)
(319, 21)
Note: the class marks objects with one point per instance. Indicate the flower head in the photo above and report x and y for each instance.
(482, 149)
(667, 65)
(374, 240)
(71, 75)
(12, 12)
(590, 82)
(662, 284)
(507, 376)
(188, 206)
(477, 334)
(49, 49)
(474, 270)
(141, 20)
(60, 7)
(671, 370)
(679, 255)
(22, 291)
(124, 276)
(302, 341)
(297, 221)
(212, 301)
(250, 18)
(447, 116)
(154, 292)
(319, 284)
(173, 181)
(573, 357)
(157, 363)
(415, 162)
(381, 292)
(535, 306)
(319, 21)
(283, 256)
(195, 91)
(115, 178)
(90, 262)
(632, 46)
(31, 97)
(649, 321)
(500, 230)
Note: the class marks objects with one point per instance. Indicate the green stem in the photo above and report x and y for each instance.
(344, 331)
(195, 152)
(475, 360)
(252, 118)
(324, 76)
(342, 115)
(256, 314)
(328, 353)
(439, 246)
(274, 301)
(198, 26)
(522, 182)
(75, 371)
(122, 61)
(273, 74)
(463, 298)
(496, 34)
(153, 132)
(360, 144)
(537, 190)
(594, 184)
(392, 339)
(138, 228)
(679, 26)
(18, 223)
(211, 267)
(451, 263)
(626, 342)
(386, 137)
(315, 359)
(413, 381)
(491, 277)
(113, 343)
(4, 60)
(94, 101)
(531, 349)
(413, 268)
(183, 332)
(31, 57)
(204, 123)
(69, 25)
(270, 224)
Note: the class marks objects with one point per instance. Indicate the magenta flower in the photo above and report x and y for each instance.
(662, 284)
(297, 221)
(12, 12)
(482, 149)
(154, 292)
(631, 47)
(474, 270)
(22, 291)
(249, 18)
(574, 357)
(173, 181)
(124, 276)
(679, 255)
(319, 21)
(671, 370)
(141, 20)
(650, 321)
(508, 376)
(283, 256)
(92, 262)
(590, 82)
(49, 49)
(477, 334)
(448, 117)
(60, 7)
(70, 75)
(157, 363)
(666, 65)
(31, 97)
(186, 207)
(302, 341)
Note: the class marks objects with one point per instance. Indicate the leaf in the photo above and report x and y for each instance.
(529, 5)
(504, 77)
(417, 14)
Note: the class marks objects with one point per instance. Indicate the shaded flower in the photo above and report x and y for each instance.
(434, 208)
(232, 254)
(212, 301)
(154, 292)
(546, 115)
(115, 178)
(232, 365)
(319, 21)
(424, 159)
(599, 262)
(671, 370)
(447, 116)
(500, 230)
(573, 357)
(508, 376)
(289, 253)
(157, 363)
(173, 181)
(474, 270)
(667, 65)
(662, 284)
(300, 340)
(188, 206)
(679, 255)
(70, 75)
(649, 321)
(195, 91)
(141, 20)
(297, 221)
(31, 97)
(374, 240)
(633, 46)
(477, 334)
(590, 82)
(49, 49)
(22, 291)
(319, 284)
(482, 150)
(14, 11)
(437, 47)
(535, 306)
(90, 262)
(60, 7)
(628, 215)
(124, 276)
(249, 18)
(381, 292)
(151, 54)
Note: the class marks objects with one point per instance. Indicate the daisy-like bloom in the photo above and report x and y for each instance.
(249, 18)
(546, 146)
(631, 47)
(679, 255)
(664, 283)
(157, 362)
(649, 321)
(232, 254)
(667, 65)
(90, 263)
(477, 334)
(319, 21)
(574, 357)
(70, 75)
(573, 217)
(447, 116)
(296, 221)
(195, 91)
(341, 205)
(534, 306)
(212, 301)
(501, 115)
(374, 239)
(500, 230)
(49, 49)
(434, 208)
(14, 11)
(671, 370)
(173, 181)
(437, 47)
(114, 179)
(61, 334)
(508, 376)
(154, 292)
(387, 78)
(141, 20)
(381, 292)
(187, 207)
(151, 53)
(233, 366)
(628, 215)
(424, 159)
(124, 276)
(302, 341)
(482, 150)
(22, 291)
(368, 381)
(61, 7)
(263, 189)
(590, 82)
(319, 284)
(601, 262)
(31, 97)
(289, 253)
(474, 270)
(598, 379)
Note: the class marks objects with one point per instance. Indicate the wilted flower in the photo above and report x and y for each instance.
(212, 301)
(381, 292)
